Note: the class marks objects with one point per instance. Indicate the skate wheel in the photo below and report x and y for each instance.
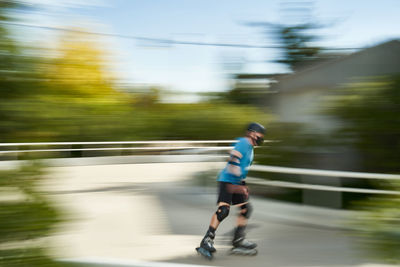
(243, 252)
(205, 253)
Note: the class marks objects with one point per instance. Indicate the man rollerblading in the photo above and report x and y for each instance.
(233, 191)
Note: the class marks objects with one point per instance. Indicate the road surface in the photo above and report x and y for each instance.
(157, 213)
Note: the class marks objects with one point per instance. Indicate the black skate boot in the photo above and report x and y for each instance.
(207, 245)
(241, 246)
(243, 243)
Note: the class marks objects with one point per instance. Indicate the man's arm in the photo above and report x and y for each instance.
(234, 163)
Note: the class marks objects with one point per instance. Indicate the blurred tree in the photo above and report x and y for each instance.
(79, 68)
(79, 100)
(17, 76)
(295, 36)
(295, 39)
(147, 99)
(26, 218)
(207, 121)
(296, 44)
(251, 89)
(377, 227)
(69, 95)
(370, 111)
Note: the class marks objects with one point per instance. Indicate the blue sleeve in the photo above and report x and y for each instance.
(241, 147)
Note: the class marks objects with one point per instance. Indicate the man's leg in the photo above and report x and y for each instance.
(224, 200)
(241, 223)
(221, 213)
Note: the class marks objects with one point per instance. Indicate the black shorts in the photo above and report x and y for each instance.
(225, 196)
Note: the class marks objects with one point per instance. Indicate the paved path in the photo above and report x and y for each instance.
(154, 213)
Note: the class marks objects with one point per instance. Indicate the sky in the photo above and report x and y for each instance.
(352, 23)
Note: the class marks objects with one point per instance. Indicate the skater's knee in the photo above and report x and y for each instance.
(222, 212)
(246, 210)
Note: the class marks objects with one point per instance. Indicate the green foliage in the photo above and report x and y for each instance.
(26, 216)
(293, 145)
(370, 111)
(26, 258)
(295, 36)
(74, 99)
(378, 225)
(206, 120)
(296, 42)
(16, 75)
(246, 96)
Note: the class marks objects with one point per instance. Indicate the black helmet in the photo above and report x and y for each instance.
(256, 127)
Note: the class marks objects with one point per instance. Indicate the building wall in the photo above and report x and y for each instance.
(376, 61)
(304, 107)
(300, 96)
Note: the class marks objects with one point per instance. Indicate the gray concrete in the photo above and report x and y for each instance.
(288, 235)
(148, 214)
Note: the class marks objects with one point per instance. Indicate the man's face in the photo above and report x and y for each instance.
(258, 138)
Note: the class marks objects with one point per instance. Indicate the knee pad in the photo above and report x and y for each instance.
(222, 212)
(249, 209)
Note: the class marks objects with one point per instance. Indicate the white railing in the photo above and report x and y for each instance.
(327, 173)
(149, 145)
(121, 142)
(313, 172)
(202, 146)
(120, 148)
